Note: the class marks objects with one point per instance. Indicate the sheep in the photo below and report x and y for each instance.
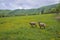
(33, 24)
(42, 25)
(58, 18)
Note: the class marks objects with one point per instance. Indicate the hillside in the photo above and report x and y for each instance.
(19, 12)
(34, 11)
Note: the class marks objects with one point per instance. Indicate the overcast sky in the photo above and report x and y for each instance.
(25, 4)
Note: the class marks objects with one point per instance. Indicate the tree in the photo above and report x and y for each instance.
(42, 11)
(53, 10)
(58, 8)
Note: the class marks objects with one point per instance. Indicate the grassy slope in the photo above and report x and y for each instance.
(18, 28)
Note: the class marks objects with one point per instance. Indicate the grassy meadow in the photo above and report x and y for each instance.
(18, 28)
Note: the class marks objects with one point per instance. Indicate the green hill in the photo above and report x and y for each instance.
(19, 12)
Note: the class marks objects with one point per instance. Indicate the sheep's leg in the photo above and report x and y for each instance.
(32, 26)
(44, 27)
(40, 27)
(35, 25)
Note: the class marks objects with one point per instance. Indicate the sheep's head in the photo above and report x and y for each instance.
(39, 22)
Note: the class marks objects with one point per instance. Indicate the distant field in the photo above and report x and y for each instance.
(18, 28)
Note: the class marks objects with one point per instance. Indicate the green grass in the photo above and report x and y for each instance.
(18, 28)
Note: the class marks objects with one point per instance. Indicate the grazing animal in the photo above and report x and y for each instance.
(33, 24)
(58, 18)
(42, 25)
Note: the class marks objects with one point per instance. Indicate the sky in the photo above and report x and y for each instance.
(25, 4)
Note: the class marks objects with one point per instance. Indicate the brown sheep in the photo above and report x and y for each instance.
(33, 24)
(42, 25)
(58, 18)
